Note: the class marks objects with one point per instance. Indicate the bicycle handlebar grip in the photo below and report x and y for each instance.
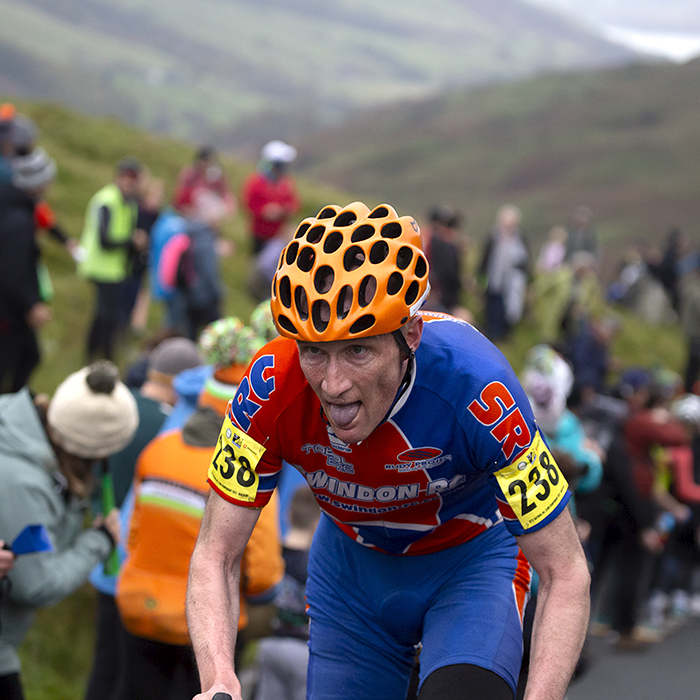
(221, 696)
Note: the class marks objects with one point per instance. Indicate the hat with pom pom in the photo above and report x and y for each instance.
(92, 414)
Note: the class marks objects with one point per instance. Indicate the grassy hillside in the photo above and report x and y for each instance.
(623, 141)
(58, 650)
(239, 70)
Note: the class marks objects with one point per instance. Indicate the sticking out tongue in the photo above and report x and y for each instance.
(343, 415)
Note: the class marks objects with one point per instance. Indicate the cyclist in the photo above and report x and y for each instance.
(436, 486)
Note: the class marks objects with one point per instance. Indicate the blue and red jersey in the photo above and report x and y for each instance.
(459, 453)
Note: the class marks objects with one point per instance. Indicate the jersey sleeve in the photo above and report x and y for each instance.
(529, 487)
(246, 464)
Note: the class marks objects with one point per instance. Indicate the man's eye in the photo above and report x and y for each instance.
(357, 350)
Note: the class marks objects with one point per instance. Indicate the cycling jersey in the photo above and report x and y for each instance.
(459, 452)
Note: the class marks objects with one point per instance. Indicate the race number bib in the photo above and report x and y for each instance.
(233, 468)
(533, 484)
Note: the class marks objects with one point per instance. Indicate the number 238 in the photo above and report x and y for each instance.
(551, 476)
(245, 475)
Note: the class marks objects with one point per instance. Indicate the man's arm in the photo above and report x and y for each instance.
(213, 593)
(563, 606)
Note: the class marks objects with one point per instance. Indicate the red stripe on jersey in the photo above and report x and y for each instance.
(521, 583)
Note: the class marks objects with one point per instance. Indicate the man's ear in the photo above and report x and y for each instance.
(413, 331)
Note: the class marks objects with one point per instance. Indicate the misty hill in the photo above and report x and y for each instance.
(657, 15)
(623, 141)
(237, 71)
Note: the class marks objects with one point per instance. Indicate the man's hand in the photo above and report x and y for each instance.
(111, 523)
(140, 240)
(7, 560)
(220, 691)
(39, 315)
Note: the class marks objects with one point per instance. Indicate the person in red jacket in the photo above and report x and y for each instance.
(269, 194)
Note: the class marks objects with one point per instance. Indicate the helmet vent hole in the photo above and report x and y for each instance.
(303, 228)
(354, 257)
(379, 252)
(391, 230)
(404, 257)
(306, 259)
(315, 234)
(279, 267)
(292, 251)
(378, 213)
(368, 288)
(324, 278)
(345, 218)
(362, 233)
(321, 315)
(327, 213)
(393, 286)
(421, 266)
(285, 291)
(412, 293)
(302, 303)
(287, 324)
(362, 324)
(333, 241)
(344, 302)
(273, 286)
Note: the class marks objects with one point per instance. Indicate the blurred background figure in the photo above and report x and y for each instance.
(47, 454)
(445, 249)
(109, 237)
(169, 493)
(580, 234)
(269, 194)
(504, 270)
(690, 323)
(205, 174)
(24, 286)
(154, 399)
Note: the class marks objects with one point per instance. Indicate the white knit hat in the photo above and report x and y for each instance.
(92, 414)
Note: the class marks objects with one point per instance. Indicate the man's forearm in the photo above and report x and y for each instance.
(212, 616)
(559, 630)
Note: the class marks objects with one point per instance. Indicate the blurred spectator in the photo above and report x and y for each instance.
(170, 223)
(580, 234)
(189, 267)
(169, 495)
(553, 251)
(283, 658)
(153, 400)
(589, 352)
(444, 249)
(108, 237)
(204, 175)
(23, 297)
(690, 322)
(623, 531)
(137, 296)
(670, 603)
(7, 561)
(269, 194)
(47, 457)
(665, 270)
(504, 267)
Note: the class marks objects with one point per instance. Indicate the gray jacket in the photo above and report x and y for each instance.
(33, 491)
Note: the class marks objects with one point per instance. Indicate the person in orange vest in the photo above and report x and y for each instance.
(170, 493)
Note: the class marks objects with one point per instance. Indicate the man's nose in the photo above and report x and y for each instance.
(335, 379)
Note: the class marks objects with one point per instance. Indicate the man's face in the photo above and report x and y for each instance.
(128, 183)
(356, 381)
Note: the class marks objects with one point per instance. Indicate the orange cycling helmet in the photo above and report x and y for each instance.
(349, 273)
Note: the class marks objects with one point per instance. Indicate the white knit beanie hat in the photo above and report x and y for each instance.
(92, 414)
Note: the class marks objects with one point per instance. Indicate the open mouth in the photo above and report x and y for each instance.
(343, 414)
